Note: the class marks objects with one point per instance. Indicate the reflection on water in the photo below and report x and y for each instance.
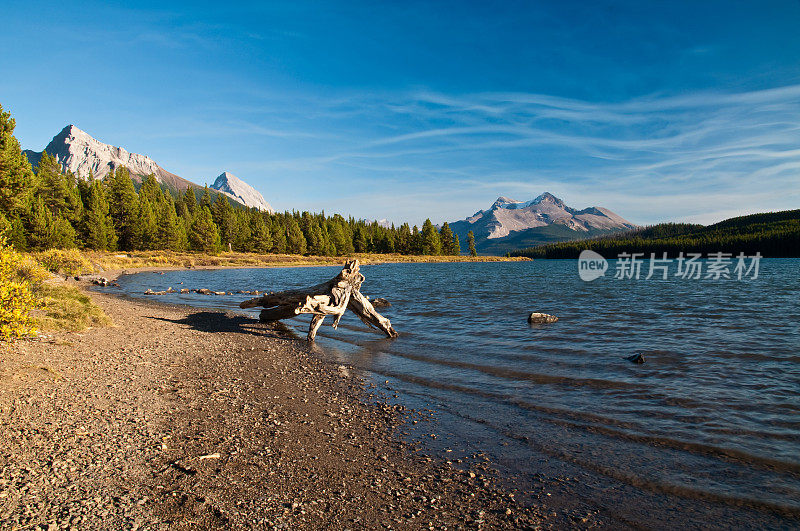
(709, 426)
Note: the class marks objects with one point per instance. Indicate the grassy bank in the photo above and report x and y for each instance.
(75, 262)
(35, 300)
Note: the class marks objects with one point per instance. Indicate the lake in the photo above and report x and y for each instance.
(705, 433)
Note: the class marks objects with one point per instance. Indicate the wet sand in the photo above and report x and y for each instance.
(177, 418)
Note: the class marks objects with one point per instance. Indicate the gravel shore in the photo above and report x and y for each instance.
(181, 418)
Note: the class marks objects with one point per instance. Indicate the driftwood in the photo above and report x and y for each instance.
(329, 298)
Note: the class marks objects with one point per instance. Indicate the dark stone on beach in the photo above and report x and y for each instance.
(636, 358)
(541, 318)
(203, 291)
(380, 302)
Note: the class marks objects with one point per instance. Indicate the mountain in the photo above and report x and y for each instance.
(240, 191)
(80, 153)
(509, 224)
(772, 234)
(77, 151)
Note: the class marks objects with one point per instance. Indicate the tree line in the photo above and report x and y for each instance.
(51, 208)
(773, 234)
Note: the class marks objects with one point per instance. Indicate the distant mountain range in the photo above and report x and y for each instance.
(509, 225)
(772, 234)
(80, 153)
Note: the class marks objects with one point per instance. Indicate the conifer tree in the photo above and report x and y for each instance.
(205, 199)
(204, 235)
(17, 181)
(190, 200)
(316, 242)
(295, 241)
(123, 207)
(278, 232)
(471, 243)
(51, 186)
(447, 239)
(260, 240)
(150, 189)
(17, 237)
(415, 243)
(456, 245)
(169, 230)
(431, 244)
(224, 217)
(98, 228)
(144, 226)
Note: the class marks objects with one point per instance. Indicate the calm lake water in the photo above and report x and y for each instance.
(705, 433)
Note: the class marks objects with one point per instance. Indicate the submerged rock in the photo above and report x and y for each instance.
(541, 318)
(380, 302)
(636, 358)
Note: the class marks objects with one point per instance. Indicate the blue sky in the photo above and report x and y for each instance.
(405, 110)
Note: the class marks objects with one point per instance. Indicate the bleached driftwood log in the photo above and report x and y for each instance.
(329, 298)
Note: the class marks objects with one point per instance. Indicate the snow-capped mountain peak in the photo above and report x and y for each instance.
(507, 219)
(232, 186)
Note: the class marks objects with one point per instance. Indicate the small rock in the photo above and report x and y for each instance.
(636, 358)
(541, 318)
(380, 302)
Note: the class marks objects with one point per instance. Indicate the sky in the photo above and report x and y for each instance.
(659, 111)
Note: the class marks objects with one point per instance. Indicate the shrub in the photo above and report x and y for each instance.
(16, 298)
(66, 262)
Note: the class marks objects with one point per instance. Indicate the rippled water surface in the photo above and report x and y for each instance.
(705, 433)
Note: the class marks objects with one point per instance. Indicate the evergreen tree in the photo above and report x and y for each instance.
(52, 187)
(204, 235)
(415, 242)
(190, 200)
(225, 219)
(17, 181)
(150, 189)
(278, 236)
(17, 236)
(260, 237)
(123, 207)
(144, 226)
(205, 199)
(456, 245)
(448, 240)
(316, 242)
(170, 233)
(295, 241)
(431, 244)
(98, 228)
(360, 240)
(471, 243)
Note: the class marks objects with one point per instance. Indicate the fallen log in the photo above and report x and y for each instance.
(332, 298)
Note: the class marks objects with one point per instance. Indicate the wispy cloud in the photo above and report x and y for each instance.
(691, 156)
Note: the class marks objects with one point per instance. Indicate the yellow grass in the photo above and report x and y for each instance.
(66, 308)
(149, 259)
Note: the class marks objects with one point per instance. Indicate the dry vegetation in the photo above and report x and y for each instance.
(142, 259)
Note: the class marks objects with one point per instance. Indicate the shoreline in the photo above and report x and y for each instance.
(113, 427)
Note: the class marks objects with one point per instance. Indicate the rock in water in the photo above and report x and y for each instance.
(540, 318)
(636, 358)
(380, 302)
